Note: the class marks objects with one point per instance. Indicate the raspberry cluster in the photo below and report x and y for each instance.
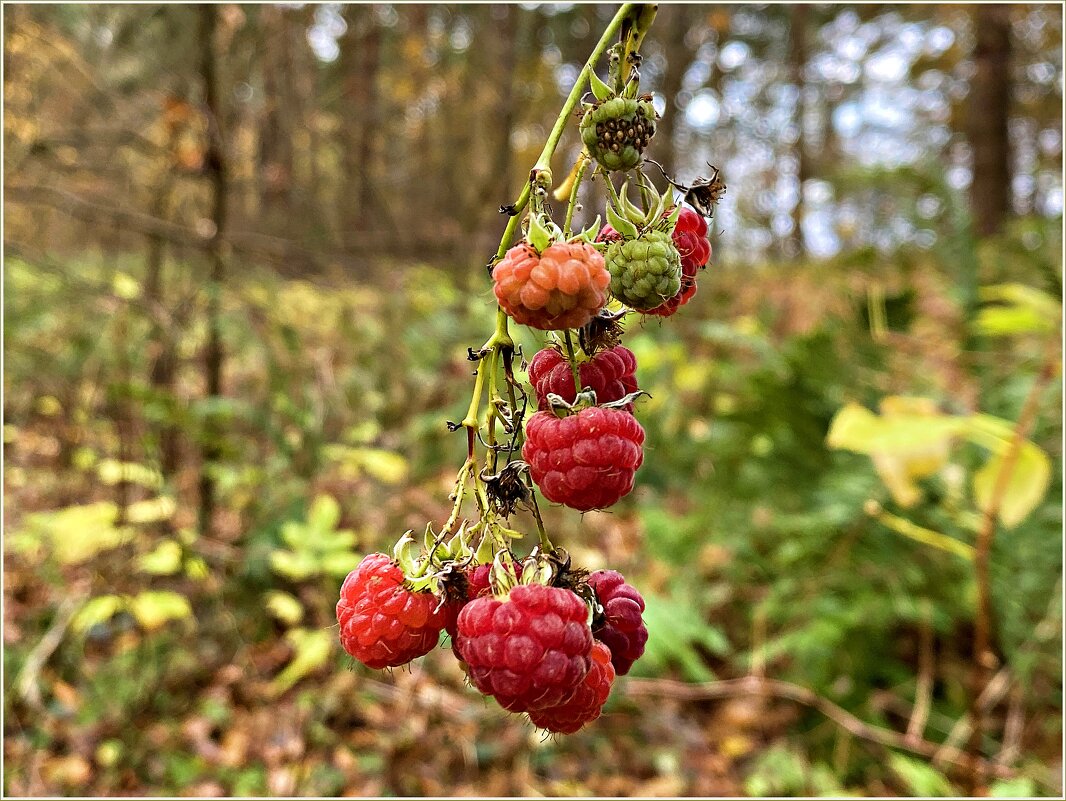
(551, 650)
(542, 638)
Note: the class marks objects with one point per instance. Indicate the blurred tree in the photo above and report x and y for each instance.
(216, 169)
(989, 113)
(798, 66)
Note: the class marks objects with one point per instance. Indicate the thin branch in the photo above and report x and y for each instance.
(923, 691)
(984, 660)
(26, 685)
(753, 685)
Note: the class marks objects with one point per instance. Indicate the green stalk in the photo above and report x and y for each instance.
(569, 343)
(582, 165)
(635, 18)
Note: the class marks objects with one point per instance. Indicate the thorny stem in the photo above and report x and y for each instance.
(460, 493)
(582, 165)
(623, 14)
(983, 658)
(611, 190)
(490, 455)
(636, 17)
(569, 343)
(545, 543)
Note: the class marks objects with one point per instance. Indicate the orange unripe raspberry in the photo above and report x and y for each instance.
(563, 287)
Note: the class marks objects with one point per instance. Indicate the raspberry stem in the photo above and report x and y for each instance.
(579, 175)
(460, 493)
(569, 343)
(610, 189)
(632, 19)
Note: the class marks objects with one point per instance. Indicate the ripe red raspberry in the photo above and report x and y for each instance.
(622, 629)
(586, 703)
(529, 651)
(563, 287)
(584, 461)
(610, 373)
(476, 585)
(382, 623)
(690, 239)
(690, 220)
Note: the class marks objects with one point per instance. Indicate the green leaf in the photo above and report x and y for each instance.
(294, 565)
(284, 607)
(919, 778)
(998, 321)
(779, 770)
(312, 649)
(1020, 787)
(339, 563)
(196, 568)
(538, 235)
(154, 608)
(1041, 303)
(97, 610)
(324, 513)
(386, 466)
(163, 561)
(1026, 486)
(677, 630)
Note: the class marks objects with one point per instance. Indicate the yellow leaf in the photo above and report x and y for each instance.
(152, 510)
(97, 610)
(77, 533)
(284, 607)
(125, 286)
(154, 608)
(312, 650)
(1026, 486)
(49, 406)
(163, 561)
(111, 471)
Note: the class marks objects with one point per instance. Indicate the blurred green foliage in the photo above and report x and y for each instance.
(757, 544)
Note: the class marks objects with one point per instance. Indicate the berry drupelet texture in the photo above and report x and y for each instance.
(609, 373)
(382, 622)
(563, 287)
(586, 460)
(586, 703)
(621, 627)
(529, 651)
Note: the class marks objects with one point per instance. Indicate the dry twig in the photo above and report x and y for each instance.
(754, 685)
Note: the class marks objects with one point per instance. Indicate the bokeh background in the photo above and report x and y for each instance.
(244, 259)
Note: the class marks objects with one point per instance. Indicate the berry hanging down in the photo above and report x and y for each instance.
(384, 623)
(611, 374)
(586, 459)
(548, 284)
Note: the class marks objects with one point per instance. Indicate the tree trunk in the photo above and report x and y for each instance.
(275, 135)
(215, 168)
(161, 375)
(989, 110)
(675, 21)
(797, 65)
(360, 61)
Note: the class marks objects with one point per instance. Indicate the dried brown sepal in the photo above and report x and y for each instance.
(602, 332)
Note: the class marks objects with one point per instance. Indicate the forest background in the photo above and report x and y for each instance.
(245, 252)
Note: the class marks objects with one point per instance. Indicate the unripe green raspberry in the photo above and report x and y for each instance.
(645, 272)
(616, 131)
